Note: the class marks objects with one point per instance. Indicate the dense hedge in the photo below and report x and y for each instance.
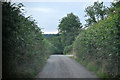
(67, 49)
(98, 46)
(25, 49)
(56, 41)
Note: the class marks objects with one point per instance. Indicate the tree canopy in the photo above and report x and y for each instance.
(95, 12)
(69, 28)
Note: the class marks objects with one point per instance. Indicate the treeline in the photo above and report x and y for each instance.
(50, 35)
(96, 44)
(24, 47)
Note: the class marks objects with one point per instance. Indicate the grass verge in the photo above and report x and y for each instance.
(92, 68)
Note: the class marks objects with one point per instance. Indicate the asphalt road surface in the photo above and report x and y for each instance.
(61, 66)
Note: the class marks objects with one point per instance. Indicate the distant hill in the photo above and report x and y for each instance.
(50, 35)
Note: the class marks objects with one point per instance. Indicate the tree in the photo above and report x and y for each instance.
(24, 48)
(69, 28)
(99, 44)
(95, 13)
(56, 41)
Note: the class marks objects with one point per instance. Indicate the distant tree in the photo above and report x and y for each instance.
(95, 13)
(69, 28)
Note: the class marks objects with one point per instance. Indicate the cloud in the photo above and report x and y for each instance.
(45, 10)
(61, 0)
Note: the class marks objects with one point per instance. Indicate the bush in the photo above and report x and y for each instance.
(25, 49)
(98, 45)
(56, 41)
(67, 49)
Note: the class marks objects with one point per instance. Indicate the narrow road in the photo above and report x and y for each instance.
(61, 66)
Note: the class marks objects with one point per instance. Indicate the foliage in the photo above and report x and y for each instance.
(69, 28)
(95, 13)
(56, 41)
(67, 49)
(98, 45)
(25, 49)
(50, 35)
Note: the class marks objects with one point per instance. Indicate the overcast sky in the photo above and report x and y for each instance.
(47, 14)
